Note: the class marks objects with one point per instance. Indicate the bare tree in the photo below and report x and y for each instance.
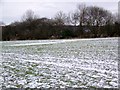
(60, 18)
(73, 18)
(29, 16)
(82, 14)
(97, 16)
(109, 18)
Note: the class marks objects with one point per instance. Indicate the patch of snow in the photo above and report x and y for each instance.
(74, 63)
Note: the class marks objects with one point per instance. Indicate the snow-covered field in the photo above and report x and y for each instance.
(60, 63)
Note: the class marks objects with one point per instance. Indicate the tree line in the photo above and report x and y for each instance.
(84, 22)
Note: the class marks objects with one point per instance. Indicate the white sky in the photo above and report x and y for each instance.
(12, 10)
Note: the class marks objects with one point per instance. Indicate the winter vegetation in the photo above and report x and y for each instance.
(76, 63)
(84, 22)
(78, 49)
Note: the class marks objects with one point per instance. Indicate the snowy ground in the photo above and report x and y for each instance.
(60, 63)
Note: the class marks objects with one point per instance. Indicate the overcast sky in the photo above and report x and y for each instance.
(12, 10)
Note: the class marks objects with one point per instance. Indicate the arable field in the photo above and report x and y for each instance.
(74, 63)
